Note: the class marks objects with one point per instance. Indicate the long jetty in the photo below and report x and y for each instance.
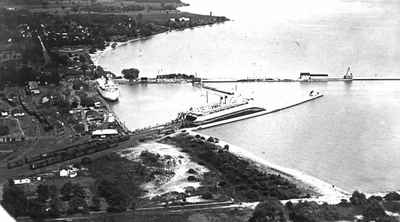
(218, 90)
(298, 80)
(269, 110)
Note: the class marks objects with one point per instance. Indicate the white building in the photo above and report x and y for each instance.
(104, 133)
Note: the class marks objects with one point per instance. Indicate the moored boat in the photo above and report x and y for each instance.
(107, 89)
(221, 111)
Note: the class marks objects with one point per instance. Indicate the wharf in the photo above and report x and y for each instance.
(269, 110)
(297, 80)
(218, 90)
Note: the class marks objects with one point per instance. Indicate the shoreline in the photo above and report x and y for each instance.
(94, 57)
(326, 192)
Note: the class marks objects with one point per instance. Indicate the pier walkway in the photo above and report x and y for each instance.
(298, 80)
(218, 90)
(269, 110)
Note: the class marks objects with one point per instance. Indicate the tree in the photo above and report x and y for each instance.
(130, 74)
(43, 192)
(270, 210)
(84, 68)
(36, 209)
(66, 191)
(77, 205)
(358, 198)
(392, 196)
(4, 130)
(305, 212)
(14, 200)
(96, 203)
(117, 201)
(55, 207)
(78, 191)
(374, 211)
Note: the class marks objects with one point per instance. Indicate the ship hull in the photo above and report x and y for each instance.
(227, 116)
(110, 96)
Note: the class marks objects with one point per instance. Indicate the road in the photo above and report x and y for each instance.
(175, 209)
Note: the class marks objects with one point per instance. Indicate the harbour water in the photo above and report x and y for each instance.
(348, 138)
(278, 39)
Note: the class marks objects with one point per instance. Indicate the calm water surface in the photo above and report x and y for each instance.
(349, 138)
(278, 39)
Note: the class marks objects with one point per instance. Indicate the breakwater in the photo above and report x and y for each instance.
(299, 80)
(269, 110)
(218, 90)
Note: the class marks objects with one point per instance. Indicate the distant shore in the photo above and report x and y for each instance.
(100, 52)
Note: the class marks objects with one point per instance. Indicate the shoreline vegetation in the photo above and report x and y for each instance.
(317, 189)
(280, 193)
(234, 176)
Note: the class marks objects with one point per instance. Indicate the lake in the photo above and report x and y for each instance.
(349, 138)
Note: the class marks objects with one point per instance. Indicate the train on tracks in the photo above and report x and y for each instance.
(69, 153)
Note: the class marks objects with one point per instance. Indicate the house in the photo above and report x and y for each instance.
(10, 139)
(33, 87)
(22, 181)
(71, 172)
(45, 99)
(17, 113)
(3, 113)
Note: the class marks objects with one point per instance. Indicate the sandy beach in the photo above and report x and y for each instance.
(182, 163)
(322, 191)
